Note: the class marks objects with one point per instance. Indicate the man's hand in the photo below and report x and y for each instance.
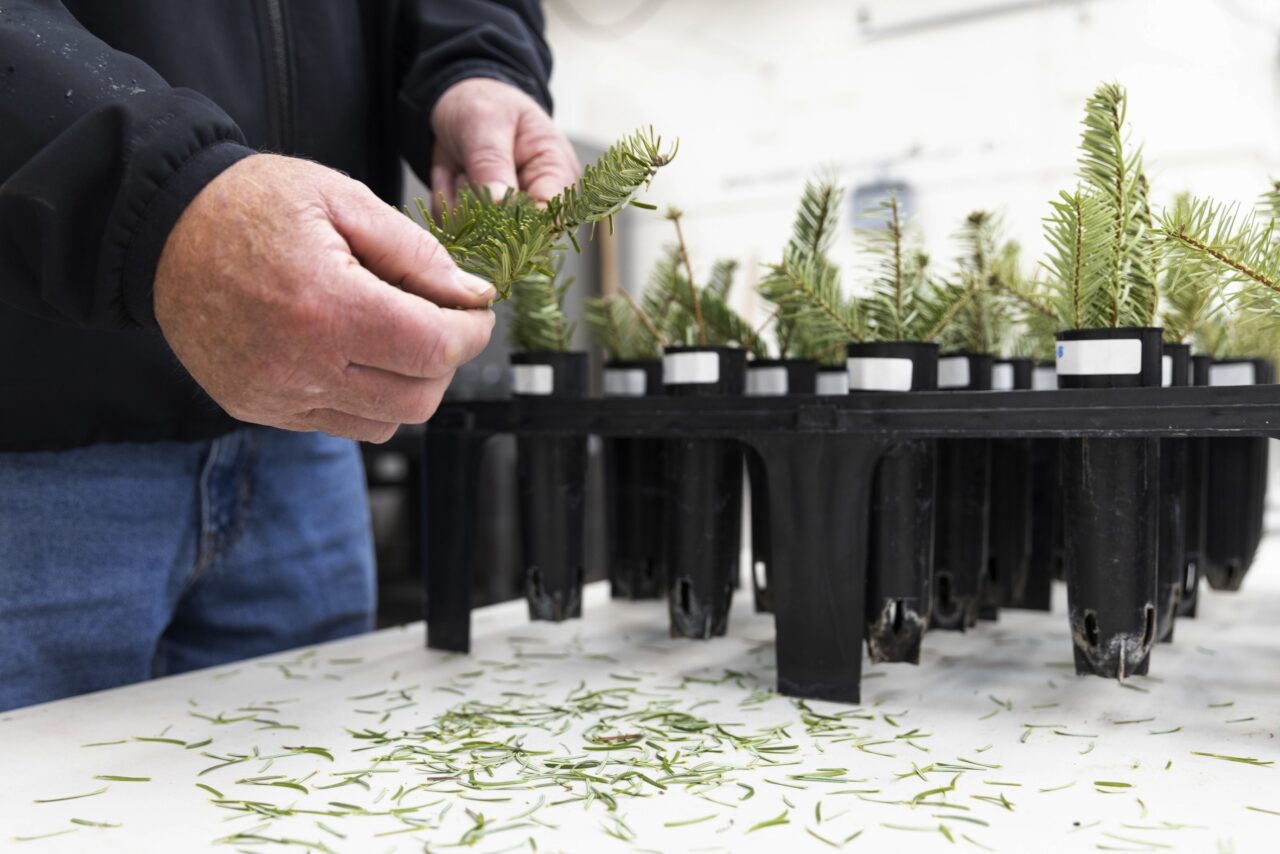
(297, 299)
(490, 134)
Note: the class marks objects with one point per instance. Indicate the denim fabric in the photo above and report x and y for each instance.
(123, 562)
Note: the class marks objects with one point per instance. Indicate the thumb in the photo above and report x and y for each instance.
(395, 249)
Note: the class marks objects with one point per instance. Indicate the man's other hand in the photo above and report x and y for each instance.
(297, 299)
(490, 134)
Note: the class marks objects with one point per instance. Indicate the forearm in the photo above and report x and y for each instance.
(98, 160)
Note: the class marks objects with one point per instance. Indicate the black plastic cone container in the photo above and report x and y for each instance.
(1237, 487)
(962, 510)
(553, 478)
(1110, 508)
(703, 497)
(900, 542)
(1009, 538)
(633, 492)
(1045, 563)
(1171, 572)
(769, 378)
(1197, 483)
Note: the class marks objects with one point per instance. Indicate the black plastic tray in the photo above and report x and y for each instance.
(815, 451)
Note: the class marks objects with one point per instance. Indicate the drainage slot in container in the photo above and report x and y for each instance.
(684, 595)
(1091, 629)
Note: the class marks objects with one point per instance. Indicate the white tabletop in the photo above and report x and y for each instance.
(1001, 702)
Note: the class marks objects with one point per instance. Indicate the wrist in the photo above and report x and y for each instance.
(159, 217)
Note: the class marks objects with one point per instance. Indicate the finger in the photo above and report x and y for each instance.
(488, 155)
(548, 173)
(442, 194)
(380, 395)
(382, 327)
(343, 424)
(397, 250)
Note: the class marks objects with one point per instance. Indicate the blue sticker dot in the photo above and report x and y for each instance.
(1060, 351)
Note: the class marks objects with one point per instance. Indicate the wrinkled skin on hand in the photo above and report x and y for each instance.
(490, 134)
(297, 299)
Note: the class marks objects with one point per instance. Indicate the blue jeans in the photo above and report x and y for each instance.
(123, 562)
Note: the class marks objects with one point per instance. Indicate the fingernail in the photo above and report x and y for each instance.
(497, 190)
(475, 285)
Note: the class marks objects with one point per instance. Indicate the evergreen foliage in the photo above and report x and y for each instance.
(1240, 250)
(538, 321)
(1079, 234)
(674, 309)
(1192, 286)
(694, 315)
(905, 303)
(812, 318)
(620, 327)
(984, 323)
(512, 242)
(1101, 266)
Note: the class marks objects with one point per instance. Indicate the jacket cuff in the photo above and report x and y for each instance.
(460, 71)
(157, 217)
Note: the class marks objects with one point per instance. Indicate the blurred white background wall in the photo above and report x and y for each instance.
(975, 103)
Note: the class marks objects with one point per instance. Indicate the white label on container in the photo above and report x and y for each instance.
(1002, 377)
(1166, 370)
(1044, 378)
(682, 368)
(832, 382)
(953, 372)
(625, 382)
(766, 382)
(1236, 373)
(868, 373)
(532, 379)
(1100, 357)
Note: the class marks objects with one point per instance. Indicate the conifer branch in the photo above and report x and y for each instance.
(675, 214)
(1218, 247)
(801, 293)
(1223, 257)
(812, 318)
(941, 324)
(1102, 264)
(644, 318)
(512, 242)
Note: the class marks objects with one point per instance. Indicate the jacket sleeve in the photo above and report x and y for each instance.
(98, 159)
(439, 44)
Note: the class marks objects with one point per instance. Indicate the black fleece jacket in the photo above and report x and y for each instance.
(114, 115)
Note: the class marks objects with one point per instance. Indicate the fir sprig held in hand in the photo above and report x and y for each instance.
(508, 240)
